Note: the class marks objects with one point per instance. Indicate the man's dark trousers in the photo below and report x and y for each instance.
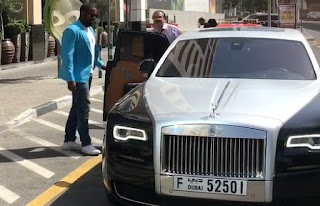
(79, 115)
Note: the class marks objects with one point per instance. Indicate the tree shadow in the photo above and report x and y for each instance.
(32, 153)
(311, 26)
(21, 80)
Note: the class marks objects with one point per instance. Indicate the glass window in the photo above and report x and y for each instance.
(249, 58)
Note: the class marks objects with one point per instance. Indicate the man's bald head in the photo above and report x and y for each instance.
(88, 14)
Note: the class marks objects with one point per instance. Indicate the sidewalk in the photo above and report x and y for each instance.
(31, 90)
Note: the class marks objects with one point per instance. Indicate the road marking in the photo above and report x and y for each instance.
(96, 110)
(26, 163)
(58, 127)
(49, 124)
(67, 114)
(96, 100)
(65, 183)
(45, 143)
(7, 195)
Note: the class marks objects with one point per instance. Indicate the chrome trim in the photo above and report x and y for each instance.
(214, 156)
(257, 191)
(215, 105)
(226, 131)
(130, 200)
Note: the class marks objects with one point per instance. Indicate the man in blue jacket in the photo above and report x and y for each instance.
(79, 56)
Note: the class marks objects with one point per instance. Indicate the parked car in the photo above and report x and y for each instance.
(263, 19)
(227, 114)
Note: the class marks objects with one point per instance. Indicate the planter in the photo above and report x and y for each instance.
(16, 40)
(7, 51)
(104, 39)
(46, 39)
(51, 46)
(25, 46)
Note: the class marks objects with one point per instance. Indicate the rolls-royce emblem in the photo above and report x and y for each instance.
(212, 130)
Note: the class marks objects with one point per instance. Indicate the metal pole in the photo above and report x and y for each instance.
(110, 43)
(274, 6)
(269, 13)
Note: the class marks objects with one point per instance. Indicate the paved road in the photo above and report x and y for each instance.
(39, 162)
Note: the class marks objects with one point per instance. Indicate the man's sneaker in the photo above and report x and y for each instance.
(90, 150)
(71, 145)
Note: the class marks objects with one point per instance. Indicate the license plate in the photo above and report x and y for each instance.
(210, 185)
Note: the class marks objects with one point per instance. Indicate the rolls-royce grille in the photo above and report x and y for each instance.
(214, 156)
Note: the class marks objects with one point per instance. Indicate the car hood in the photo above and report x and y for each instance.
(276, 99)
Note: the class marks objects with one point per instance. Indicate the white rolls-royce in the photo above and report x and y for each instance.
(229, 114)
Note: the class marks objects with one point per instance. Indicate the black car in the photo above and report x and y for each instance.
(263, 19)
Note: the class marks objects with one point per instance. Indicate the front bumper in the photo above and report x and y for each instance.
(302, 185)
(257, 191)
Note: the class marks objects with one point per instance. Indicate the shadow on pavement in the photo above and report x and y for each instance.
(20, 80)
(311, 26)
(39, 153)
(86, 191)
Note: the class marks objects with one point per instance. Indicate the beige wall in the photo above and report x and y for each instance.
(34, 9)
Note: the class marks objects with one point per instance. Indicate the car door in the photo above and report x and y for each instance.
(123, 72)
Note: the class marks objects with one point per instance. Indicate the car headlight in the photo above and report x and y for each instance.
(123, 133)
(310, 141)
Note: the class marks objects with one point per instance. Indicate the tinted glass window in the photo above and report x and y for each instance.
(248, 58)
(263, 18)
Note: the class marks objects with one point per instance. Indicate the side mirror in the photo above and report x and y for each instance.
(146, 67)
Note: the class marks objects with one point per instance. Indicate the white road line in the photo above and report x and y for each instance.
(96, 110)
(96, 100)
(49, 124)
(45, 143)
(7, 195)
(67, 114)
(58, 127)
(26, 163)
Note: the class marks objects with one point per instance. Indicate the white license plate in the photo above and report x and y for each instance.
(210, 185)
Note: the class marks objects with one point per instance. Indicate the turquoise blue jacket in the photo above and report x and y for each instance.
(76, 56)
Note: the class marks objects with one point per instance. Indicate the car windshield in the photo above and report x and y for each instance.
(248, 58)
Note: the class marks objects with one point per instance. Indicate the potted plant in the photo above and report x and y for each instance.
(99, 31)
(51, 45)
(13, 31)
(7, 7)
(25, 41)
(0, 45)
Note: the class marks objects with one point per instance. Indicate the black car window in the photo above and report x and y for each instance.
(250, 58)
(263, 18)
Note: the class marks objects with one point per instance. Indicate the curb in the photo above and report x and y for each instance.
(45, 108)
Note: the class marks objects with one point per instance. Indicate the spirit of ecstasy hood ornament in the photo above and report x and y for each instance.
(215, 104)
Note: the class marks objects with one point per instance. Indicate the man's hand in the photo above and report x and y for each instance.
(104, 68)
(72, 86)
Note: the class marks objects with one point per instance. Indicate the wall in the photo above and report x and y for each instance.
(196, 5)
(188, 20)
